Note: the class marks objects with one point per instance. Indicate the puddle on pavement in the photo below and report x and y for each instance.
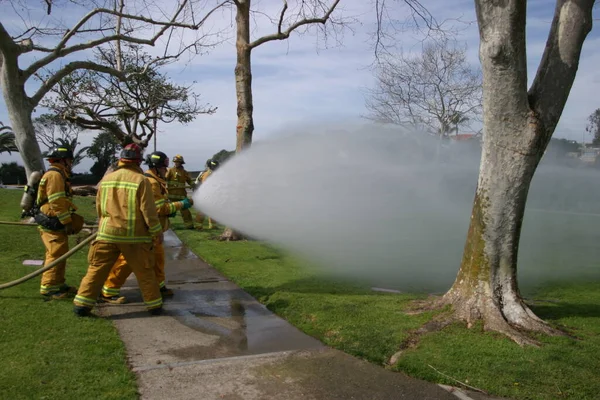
(243, 326)
(175, 249)
(211, 306)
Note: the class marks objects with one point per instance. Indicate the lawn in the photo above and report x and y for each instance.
(47, 352)
(371, 325)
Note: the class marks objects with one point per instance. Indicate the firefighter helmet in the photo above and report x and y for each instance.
(131, 152)
(158, 159)
(178, 158)
(212, 164)
(60, 152)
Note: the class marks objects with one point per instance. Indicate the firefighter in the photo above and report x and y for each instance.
(158, 164)
(128, 225)
(177, 178)
(57, 220)
(211, 166)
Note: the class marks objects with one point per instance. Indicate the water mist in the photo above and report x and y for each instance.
(392, 208)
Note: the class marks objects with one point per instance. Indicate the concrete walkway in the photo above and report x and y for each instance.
(215, 341)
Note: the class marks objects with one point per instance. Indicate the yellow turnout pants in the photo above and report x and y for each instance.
(121, 271)
(103, 256)
(57, 244)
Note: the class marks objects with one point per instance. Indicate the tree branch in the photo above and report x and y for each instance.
(502, 54)
(60, 50)
(7, 44)
(286, 34)
(283, 10)
(550, 89)
(109, 126)
(66, 70)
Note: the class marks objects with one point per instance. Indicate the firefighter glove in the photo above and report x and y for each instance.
(186, 203)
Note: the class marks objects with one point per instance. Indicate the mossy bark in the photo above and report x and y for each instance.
(518, 124)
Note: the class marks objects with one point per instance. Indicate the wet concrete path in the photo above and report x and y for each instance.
(215, 341)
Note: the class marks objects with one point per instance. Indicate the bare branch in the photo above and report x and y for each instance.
(436, 90)
(60, 50)
(96, 100)
(49, 3)
(558, 67)
(388, 25)
(118, 32)
(283, 10)
(286, 34)
(66, 70)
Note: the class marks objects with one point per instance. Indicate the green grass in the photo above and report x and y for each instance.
(372, 326)
(47, 352)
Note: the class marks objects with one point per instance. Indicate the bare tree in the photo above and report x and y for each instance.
(50, 128)
(436, 90)
(304, 14)
(518, 124)
(307, 13)
(127, 109)
(49, 40)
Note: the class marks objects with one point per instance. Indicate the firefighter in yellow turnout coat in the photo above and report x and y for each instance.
(177, 178)
(128, 225)
(211, 166)
(56, 220)
(158, 163)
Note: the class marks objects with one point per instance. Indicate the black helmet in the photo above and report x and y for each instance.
(60, 152)
(212, 164)
(131, 152)
(157, 159)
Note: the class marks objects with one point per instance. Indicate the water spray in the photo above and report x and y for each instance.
(386, 206)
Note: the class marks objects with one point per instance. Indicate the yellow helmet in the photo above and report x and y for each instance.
(178, 158)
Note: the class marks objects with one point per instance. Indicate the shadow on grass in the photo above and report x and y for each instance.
(564, 310)
(311, 285)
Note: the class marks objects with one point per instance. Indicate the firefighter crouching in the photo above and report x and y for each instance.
(56, 219)
(211, 166)
(177, 178)
(128, 225)
(158, 164)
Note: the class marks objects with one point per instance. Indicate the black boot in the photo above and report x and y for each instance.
(82, 311)
(156, 311)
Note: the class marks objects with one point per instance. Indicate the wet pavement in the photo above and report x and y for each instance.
(215, 341)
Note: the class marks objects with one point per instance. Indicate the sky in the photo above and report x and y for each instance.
(307, 81)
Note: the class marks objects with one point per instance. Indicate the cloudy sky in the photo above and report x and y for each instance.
(306, 80)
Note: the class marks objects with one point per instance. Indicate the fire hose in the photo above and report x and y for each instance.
(32, 224)
(53, 263)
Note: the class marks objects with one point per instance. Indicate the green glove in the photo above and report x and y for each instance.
(186, 203)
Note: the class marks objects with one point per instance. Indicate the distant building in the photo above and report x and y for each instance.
(463, 136)
(589, 155)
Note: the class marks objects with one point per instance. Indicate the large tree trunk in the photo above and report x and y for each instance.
(243, 77)
(486, 286)
(19, 111)
(517, 128)
(243, 89)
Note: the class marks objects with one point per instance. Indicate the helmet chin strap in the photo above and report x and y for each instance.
(156, 170)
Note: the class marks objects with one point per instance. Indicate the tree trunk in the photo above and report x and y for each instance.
(19, 110)
(243, 77)
(486, 285)
(243, 89)
(518, 125)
